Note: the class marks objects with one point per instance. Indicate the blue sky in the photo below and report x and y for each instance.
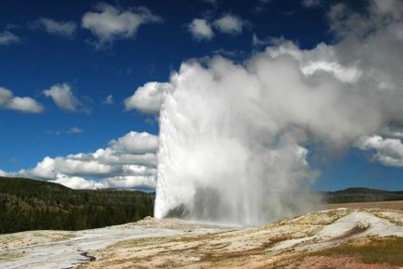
(78, 105)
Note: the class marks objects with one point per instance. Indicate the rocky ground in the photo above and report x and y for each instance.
(333, 238)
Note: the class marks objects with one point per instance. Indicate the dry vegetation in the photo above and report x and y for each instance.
(347, 237)
(342, 238)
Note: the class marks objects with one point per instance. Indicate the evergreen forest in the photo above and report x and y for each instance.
(27, 204)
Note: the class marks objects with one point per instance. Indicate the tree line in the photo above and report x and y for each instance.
(27, 204)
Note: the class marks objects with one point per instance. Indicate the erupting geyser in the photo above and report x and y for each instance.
(222, 158)
(234, 138)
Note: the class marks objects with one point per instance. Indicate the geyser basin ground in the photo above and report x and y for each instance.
(170, 243)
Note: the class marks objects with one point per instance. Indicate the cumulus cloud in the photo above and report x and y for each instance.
(63, 97)
(128, 162)
(389, 151)
(109, 23)
(8, 38)
(148, 98)
(135, 143)
(229, 24)
(23, 104)
(66, 29)
(201, 29)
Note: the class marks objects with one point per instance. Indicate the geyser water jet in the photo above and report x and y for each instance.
(234, 138)
(221, 158)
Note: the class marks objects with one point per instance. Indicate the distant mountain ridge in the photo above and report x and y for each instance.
(360, 194)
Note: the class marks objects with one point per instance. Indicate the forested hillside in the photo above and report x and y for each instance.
(27, 204)
(352, 195)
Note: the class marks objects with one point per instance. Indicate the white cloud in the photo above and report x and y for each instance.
(77, 182)
(109, 23)
(109, 100)
(23, 104)
(74, 130)
(135, 143)
(66, 29)
(344, 74)
(389, 151)
(8, 38)
(201, 29)
(229, 24)
(148, 98)
(128, 162)
(63, 97)
(136, 182)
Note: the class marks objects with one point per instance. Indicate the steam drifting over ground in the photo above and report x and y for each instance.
(235, 138)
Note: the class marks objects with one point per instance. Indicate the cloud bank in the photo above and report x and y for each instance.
(128, 162)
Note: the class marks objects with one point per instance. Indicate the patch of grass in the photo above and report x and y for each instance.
(378, 250)
(146, 241)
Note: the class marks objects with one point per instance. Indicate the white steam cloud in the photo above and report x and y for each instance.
(233, 139)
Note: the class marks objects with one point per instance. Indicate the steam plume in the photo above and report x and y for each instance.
(234, 138)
